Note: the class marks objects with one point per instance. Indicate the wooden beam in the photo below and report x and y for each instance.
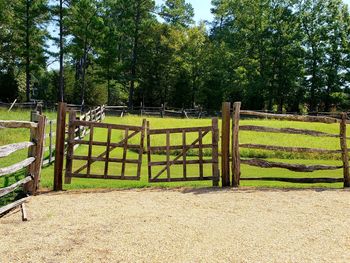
(296, 180)
(215, 152)
(70, 147)
(225, 144)
(289, 166)
(236, 161)
(16, 167)
(288, 149)
(17, 124)
(291, 117)
(11, 188)
(179, 130)
(6, 150)
(287, 130)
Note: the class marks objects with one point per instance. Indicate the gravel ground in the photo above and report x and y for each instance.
(183, 225)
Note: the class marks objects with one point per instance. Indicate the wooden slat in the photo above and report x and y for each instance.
(107, 151)
(90, 149)
(101, 176)
(288, 149)
(113, 145)
(200, 153)
(141, 148)
(18, 124)
(295, 180)
(291, 117)
(6, 150)
(11, 188)
(8, 207)
(225, 144)
(168, 155)
(107, 125)
(184, 155)
(103, 159)
(125, 150)
(287, 130)
(179, 130)
(172, 162)
(289, 166)
(177, 147)
(16, 167)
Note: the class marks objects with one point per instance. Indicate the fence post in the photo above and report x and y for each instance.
(215, 152)
(344, 149)
(70, 146)
(225, 144)
(236, 161)
(60, 136)
(50, 142)
(37, 135)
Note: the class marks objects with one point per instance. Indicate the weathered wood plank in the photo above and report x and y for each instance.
(295, 180)
(16, 167)
(287, 130)
(125, 150)
(200, 153)
(113, 145)
(8, 207)
(149, 157)
(288, 149)
(181, 179)
(101, 176)
(155, 149)
(291, 117)
(102, 159)
(172, 162)
(107, 125)
(17, 124)
(289, 166)
(6, 190)
(70, 147)
(90, 150)
(142, 139)
(184, 155)
(6, 150)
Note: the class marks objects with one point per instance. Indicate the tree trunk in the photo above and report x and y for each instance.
(27, 52)
(137, 21)
(61, 77)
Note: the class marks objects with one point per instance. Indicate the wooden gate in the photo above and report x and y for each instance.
(84, 171)
(181, 158)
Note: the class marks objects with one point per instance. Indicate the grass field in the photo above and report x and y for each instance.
(10, 136)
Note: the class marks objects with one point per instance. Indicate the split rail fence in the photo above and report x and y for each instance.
(236, 146)
(32, 163)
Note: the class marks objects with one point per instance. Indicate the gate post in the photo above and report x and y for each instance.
(60, 136)
(236, 161)
(344, 149)
(225, 144)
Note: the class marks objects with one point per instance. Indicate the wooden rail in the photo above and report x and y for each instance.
(32, 164)
(236, 160)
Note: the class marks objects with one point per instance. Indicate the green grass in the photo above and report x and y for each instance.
(9, 136)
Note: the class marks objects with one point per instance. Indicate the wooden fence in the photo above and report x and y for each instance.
(32, 163)
(236, 146)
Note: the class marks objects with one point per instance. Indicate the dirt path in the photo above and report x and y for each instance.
(181, 226)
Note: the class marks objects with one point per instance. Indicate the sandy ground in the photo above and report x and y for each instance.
(181, 225)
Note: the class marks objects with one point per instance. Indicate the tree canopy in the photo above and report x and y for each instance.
(281, 55)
